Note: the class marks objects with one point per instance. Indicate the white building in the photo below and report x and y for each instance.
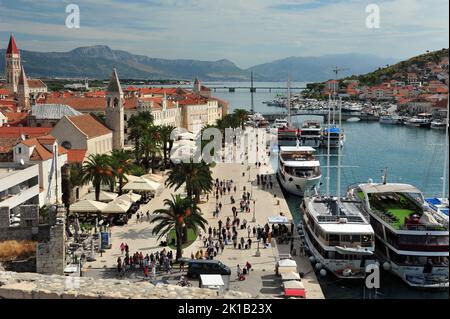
(50, 157)
(19, 185)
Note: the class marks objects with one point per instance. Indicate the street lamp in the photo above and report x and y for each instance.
(254, 211)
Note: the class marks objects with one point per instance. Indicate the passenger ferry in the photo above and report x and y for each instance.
(410, 242)
(281, 124)
(390, 119)
(338, 235)
(337, 137)
(298, 169)
(311, 134)
(422, 120)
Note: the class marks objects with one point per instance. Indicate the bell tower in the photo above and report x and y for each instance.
(23, 92)
(115, 111)
(12, 65)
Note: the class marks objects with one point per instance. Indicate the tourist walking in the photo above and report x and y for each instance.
(238, 271)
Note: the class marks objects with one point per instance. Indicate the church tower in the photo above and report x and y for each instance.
(23, 92)
(115, 111)
(197, 86)
(12, 65)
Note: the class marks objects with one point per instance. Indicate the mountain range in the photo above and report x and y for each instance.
(97, 61)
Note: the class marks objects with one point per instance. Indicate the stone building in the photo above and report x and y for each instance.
(12, 65)
(115, 111)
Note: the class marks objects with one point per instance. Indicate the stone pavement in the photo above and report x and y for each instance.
(268, 202)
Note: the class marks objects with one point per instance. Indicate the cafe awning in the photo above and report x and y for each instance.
(118, 206)
(87, 206)
(143, 185)
(131, 197)
(104, 196)
(278, 220)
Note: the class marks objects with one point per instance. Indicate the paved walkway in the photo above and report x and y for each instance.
(268, 202)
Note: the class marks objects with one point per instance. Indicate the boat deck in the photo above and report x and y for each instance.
(329, 210)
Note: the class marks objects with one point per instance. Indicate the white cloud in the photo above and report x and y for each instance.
(244, 31)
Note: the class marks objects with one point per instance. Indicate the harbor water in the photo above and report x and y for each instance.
(411, 155)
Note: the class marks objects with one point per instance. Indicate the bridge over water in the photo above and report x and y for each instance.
(254, 89)
(271, 117)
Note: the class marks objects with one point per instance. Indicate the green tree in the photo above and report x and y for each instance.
(180, 215)
(196, 176)
(97, 170)
(121, 164)
(165, 132)
(138, 125)
(149, 147)
(241, 115)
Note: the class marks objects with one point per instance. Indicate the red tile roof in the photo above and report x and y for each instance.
(7, 143)
(89, 125)
(36, 83)
(16, 118)
(80, 103)
(27, 131)
(12, 47)
(76, 156)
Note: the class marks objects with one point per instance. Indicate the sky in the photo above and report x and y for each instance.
(247, 32)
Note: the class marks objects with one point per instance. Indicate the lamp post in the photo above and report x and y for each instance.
(254, 211)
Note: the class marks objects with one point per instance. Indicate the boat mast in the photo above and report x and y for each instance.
(328, 145)
(339, 153)
(251, 94)
(444, 177)
(289, 100)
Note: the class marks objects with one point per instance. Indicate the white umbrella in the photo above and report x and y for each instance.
(117, 206)
(131, 178)
(143, 185)
(87, 206)
(278, 220)
(104, 196)
(154, 177)
(131, 197)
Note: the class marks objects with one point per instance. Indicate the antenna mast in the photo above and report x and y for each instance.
(328, 145)
(251, 93)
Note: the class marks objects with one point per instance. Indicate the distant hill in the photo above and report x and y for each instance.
(313, 69)
(97, 62)
(403, 67)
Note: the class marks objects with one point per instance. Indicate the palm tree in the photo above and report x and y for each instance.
(165, 132)
(241, 115)
(180, 215)
(138, 124)
(97, 169)
(149, 145)
(121, 164)
(196, 176)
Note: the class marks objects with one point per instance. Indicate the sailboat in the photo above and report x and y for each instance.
(336, 231)
(439, 205)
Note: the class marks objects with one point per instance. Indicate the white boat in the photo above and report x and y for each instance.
(438, 125)
(440, 207)
(298, 169)
(338, 235)
(422, 120)
(410, 241)
(390, 119)
(311, 134)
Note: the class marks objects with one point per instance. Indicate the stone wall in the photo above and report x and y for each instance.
(35, 286)
(50, 255)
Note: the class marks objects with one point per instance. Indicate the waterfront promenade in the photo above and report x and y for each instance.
(262, 281)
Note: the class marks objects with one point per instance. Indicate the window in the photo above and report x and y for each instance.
(19, 150)
(67, 145)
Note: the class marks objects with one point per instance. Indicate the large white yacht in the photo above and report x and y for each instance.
(298, 169)
(311, 134)
(410, 241)
(338, 235)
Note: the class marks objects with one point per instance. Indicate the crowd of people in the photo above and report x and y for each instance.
(150, 264)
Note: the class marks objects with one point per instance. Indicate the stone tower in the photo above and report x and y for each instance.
(197, 86)
(12, 65)
(23, 92)
(115, 111)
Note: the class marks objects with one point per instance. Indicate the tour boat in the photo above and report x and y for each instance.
(311, 134)
(422, 120)
(338, 235)
(298, 169)
(280, 123)
(410, 241)
(438, 125)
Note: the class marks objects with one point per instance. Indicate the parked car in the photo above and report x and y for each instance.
(204, 267)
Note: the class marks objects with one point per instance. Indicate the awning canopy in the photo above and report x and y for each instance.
(143, 185)
(118, 206)
(293, 284)
(278, 220)
(287, 263)
(87, 206)
(131, 197)
(211, 280)
(104, 196)
(154, 177)
(389, 188)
